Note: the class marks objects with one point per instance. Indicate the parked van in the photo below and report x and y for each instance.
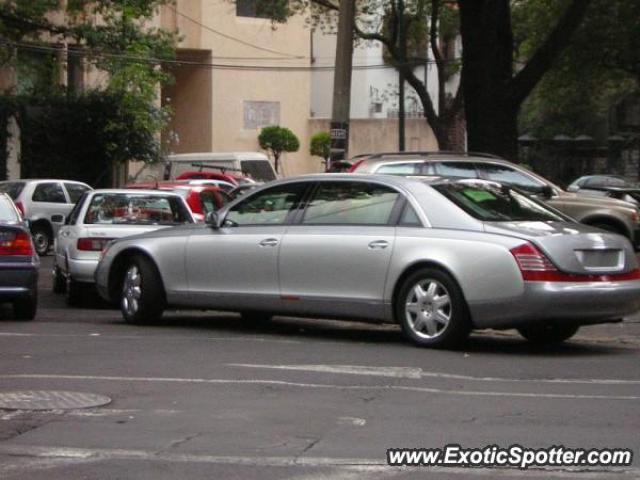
(254, 165)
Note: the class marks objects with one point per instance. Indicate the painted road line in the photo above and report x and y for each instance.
(418, 373)
(362, 465)
(281, 383)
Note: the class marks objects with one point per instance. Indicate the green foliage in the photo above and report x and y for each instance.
(276, 140)
(321, 145)
(77, 137)
(124, 111)
(598, 68)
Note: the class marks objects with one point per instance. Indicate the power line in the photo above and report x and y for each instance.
(230, 37)
(213, 66)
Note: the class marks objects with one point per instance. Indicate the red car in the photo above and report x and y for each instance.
(195, 175)
(201, 199)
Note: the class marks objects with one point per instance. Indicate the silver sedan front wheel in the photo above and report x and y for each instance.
(131, 291)
(142, 297)
(431, 309)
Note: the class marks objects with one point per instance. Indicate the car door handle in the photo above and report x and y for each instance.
(64, 234)
(378, 244)
(269, 242)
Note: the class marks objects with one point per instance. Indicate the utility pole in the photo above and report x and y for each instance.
(340, 111)
(402, 48)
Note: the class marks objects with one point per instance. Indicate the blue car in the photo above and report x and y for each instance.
(19, 262)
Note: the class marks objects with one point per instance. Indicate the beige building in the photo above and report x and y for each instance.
(238, 75)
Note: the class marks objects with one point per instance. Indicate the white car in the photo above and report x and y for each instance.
(104, 215)
(42, 200)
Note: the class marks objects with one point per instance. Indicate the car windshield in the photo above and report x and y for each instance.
(12, 189)
(7, 212)
(132, 209)
(495, 203)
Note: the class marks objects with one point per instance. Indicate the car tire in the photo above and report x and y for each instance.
(256, 318)
(142, 294)
(59, 282)
(25, 308)
(548, 334)
(431, 309)
(41, 239)
(75, 292)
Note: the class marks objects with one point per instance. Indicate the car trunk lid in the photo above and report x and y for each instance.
(574, 248)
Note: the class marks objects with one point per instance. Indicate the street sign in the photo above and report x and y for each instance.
(338, 134)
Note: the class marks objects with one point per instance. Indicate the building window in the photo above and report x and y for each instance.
(261, 114)
(250, 8)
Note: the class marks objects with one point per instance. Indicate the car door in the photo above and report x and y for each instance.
(334, 260)
(236, 266)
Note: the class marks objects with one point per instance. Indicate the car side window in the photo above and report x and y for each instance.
(75, 191)
(268, 207)
(456, 169)
(350, 203)
(399, 169)
(409, 217)
(505, 174)
(49, 192)
(72, 219)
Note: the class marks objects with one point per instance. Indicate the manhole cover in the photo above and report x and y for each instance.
(50, 400)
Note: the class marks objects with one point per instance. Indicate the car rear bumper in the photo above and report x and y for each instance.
(18, 279)
(82, 270)
(580, 303)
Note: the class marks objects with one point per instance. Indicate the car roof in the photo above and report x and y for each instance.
(421, 156)
(134, 191)
(216, 156)
(42, 180)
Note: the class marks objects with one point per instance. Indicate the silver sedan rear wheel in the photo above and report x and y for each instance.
(431, 309)
(428, 309)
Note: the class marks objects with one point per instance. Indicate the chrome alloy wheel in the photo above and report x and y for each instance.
(428, 309)
(132, 290)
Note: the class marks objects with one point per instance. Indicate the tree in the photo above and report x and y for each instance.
(119, 44)
(493, 90)
(598, 68)
(425, 23)
(277, 140)
(321, 145)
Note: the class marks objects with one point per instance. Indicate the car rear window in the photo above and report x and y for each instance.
(132, 209)
(497, 203)
(7, 211)
(259, 170)
(13, 189)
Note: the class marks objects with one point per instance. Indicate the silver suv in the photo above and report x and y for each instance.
(44, 202)
(605, 213)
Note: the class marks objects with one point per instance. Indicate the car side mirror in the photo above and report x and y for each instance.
(57, 218)
(546, 191)
(213, 220)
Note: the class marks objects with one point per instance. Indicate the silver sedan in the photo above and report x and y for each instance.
(439, 258)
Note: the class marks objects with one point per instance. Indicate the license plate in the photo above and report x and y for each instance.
(595, 260)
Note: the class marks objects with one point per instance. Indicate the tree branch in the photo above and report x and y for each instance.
(326, 4)
(522, 84)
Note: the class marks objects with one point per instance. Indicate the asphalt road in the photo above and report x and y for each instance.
(205, 396)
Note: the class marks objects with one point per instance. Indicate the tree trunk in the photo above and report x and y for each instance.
(487, 70)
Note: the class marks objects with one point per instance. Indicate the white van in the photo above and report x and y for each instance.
(254, 165)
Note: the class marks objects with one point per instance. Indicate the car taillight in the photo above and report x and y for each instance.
(536, 267)
(92, 244)
(18, 244)
(20, 208)
(355, 166)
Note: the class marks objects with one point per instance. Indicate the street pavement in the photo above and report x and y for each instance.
(205, 396)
